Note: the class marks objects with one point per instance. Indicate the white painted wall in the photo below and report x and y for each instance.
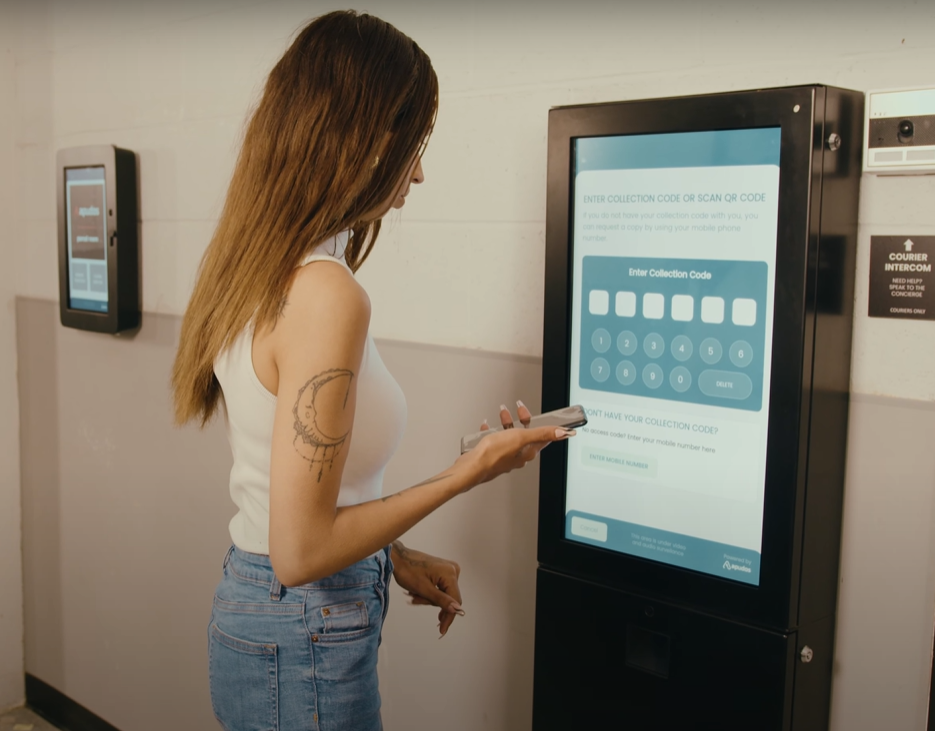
(11, 580)
(174, 82)
(463, 264)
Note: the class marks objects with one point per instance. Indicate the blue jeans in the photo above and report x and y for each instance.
(283, 659)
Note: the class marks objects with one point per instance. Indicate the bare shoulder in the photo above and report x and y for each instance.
(327, 284)
(325, 290)
(325, 308)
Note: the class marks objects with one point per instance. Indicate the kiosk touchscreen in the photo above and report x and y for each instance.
(674, 261)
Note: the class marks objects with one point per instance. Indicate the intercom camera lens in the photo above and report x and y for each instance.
(906, 128)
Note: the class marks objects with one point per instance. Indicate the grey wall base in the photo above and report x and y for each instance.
(125, 527)
(59, 709)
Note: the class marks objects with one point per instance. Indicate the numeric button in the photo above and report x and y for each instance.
(652, 376)
(653, 345)
(741, 354)
(600, 340)
(711, 351)
(600, 370)
(627, 342)
(626, 373)
(682, 348)
(680, 379)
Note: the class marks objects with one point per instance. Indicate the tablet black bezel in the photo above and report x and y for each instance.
(122, 232)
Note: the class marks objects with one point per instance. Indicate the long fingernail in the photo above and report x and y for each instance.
(563, 433)
(520, 405)
(456, 608)
(509, 424)
(485, 423)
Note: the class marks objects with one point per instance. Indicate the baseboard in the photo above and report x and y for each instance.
(60, 710)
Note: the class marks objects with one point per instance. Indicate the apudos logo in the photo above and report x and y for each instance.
(728, 566)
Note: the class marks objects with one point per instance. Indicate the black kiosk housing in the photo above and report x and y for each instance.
(625, 641)
(98, 238)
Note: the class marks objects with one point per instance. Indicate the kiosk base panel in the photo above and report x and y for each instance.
(610, 660)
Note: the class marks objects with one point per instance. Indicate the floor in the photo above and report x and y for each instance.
(22, 719)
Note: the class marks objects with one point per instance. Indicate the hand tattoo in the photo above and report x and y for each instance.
(311, 442)
(406, 555)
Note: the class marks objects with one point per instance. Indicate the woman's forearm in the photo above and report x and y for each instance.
(357, 531)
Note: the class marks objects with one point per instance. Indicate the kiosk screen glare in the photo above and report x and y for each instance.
(85, 209)
(674, 254)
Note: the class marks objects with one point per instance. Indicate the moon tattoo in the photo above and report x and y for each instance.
(312, 442)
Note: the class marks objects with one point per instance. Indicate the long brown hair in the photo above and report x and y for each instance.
(343, 116)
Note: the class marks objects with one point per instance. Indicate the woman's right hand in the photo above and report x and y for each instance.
(507, 450)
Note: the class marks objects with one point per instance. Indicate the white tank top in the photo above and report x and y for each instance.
(379, 422)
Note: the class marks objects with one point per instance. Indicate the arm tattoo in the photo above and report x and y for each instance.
(429, 481)
(312, 444)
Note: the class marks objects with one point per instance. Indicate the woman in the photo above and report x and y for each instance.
(278, 326)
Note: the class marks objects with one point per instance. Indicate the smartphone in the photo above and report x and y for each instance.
(570, 417)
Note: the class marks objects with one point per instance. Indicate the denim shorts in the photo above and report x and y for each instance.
(283, 658)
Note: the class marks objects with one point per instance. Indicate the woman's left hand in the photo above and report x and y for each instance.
(429, 581)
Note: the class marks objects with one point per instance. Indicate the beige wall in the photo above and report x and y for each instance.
(461, 267)
(11, 595)
(125, 521)
(883, 658)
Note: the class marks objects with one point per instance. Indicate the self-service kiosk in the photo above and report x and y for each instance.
(698, 303)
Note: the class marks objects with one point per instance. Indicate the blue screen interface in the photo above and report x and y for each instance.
(86, 227)
(674, 255)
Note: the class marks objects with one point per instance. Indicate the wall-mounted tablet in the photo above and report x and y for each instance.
(98, 228)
